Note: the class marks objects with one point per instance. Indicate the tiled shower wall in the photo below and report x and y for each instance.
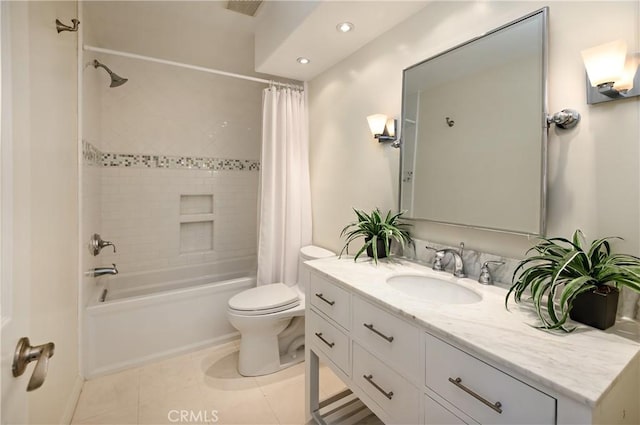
(163, 110)
(141, 212)
(165, 135)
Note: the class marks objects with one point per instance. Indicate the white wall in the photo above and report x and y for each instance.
(593, 169)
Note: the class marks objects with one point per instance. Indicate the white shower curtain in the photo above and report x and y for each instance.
(285, 196)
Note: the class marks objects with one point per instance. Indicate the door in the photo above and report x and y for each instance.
(39, 207)
(14, 294)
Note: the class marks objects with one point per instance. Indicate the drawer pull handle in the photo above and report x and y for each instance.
(377, 332)
(325, 300)
(458, 383)
(330, 344)
(369, 379)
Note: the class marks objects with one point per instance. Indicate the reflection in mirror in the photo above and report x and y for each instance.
(474, 132)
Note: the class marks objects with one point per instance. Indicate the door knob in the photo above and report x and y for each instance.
(25, 354)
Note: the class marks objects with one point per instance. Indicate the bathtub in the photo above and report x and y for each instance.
(151, 315)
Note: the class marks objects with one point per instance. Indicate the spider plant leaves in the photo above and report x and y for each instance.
(375, 226)
(560, 269)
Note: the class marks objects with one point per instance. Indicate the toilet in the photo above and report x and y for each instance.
(270, 319)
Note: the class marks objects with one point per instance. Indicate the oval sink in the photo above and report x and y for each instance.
(433, 289)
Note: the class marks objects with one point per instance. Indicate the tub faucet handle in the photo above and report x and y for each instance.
(96, 244)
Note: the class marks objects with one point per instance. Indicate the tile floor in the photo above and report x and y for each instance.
(199, 382)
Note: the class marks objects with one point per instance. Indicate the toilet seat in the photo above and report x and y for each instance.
(264, 299)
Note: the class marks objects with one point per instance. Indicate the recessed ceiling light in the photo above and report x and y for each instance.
(345, 26)
(303, 61)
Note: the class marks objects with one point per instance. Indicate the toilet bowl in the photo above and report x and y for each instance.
(270, 319)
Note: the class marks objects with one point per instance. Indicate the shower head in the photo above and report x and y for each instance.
(116, 80)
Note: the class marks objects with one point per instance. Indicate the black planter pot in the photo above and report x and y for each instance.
(595, 308)
(379, 246)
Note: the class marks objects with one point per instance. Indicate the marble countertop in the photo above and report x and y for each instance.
(581, 365)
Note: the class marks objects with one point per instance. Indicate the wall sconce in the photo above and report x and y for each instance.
(383, 128)
(612, 74)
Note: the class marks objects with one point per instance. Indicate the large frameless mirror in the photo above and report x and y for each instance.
(474, 131)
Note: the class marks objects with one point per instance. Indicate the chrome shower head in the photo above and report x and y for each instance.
(116, 80)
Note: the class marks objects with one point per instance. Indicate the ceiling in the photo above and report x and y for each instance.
(289, 30)
(206, 33)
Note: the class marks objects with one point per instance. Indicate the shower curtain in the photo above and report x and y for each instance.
(285, 195)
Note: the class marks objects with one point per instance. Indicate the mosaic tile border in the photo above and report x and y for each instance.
(93, 156)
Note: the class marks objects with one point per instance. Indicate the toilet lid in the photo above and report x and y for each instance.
(274, 297)
(312, 252)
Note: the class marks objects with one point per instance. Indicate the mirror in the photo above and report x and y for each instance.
(474, 132)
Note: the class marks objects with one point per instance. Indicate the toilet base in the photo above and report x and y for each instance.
(287, 360)
(270, 360)
(271, 348)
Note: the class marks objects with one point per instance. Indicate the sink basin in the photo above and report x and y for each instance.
(433, 289)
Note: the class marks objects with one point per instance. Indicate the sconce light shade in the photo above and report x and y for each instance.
(612, 74)
(625, 82)
(383, 129)
(605, 63)
(377, 124)
(390, 127)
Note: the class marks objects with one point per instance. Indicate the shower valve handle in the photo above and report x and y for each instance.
(96, 244)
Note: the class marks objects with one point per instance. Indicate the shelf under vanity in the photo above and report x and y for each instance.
(423, 362)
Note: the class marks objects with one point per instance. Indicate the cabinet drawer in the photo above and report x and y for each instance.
(399, 399)
(436, 414)
(388, 337)
(329, 339)
(465, 381)
(330, 299)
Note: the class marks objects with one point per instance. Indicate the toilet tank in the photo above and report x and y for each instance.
(309, 252)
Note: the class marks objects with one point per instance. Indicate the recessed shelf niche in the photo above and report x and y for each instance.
(196, 223)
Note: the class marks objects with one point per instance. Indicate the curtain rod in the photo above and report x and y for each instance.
(187, 66)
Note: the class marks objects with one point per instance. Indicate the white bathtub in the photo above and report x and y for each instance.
(148, 316)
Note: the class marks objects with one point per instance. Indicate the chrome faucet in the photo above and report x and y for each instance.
(99, 271)
(458, 264)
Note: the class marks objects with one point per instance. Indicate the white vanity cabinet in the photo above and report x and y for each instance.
(408, 373)
(483, 392)
(383, 350)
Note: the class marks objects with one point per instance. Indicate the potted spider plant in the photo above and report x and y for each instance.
(570, 278)
(378, 231)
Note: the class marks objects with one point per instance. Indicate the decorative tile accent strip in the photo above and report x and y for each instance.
(95, 157)
(90, 154)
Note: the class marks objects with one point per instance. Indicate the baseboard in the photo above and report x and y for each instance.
(141, 361)
(72, 401)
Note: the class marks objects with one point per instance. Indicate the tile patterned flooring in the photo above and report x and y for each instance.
(199, 382)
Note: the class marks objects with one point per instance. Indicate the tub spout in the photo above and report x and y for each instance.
(99, 271)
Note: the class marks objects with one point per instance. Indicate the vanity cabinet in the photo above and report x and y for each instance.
(483, 392)
(330, 300)
(331, 341)
(397, 398)
(387, 337)
(408, 374)
(435, 413)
